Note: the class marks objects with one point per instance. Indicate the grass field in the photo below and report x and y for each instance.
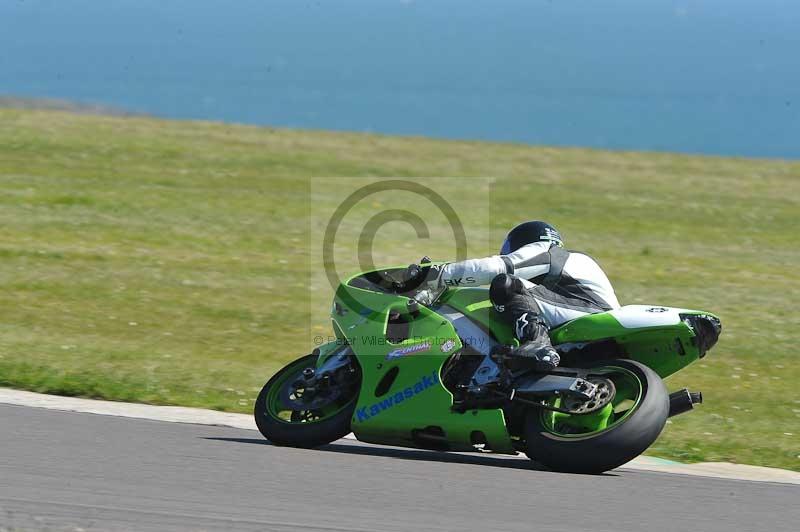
(174, 262)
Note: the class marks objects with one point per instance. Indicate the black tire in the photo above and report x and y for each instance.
(608, 449)
(304, 435)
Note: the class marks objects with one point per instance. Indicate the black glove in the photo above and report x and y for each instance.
(423, 278)
(425, 272)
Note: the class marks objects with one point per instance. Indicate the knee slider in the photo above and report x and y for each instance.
(504, 287)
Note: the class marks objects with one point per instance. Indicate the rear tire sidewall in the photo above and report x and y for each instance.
(610, 448)
(300, 434)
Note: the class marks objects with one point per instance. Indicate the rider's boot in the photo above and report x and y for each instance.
(540, 357)
(534, 354)
(517, 306)
(493, 389)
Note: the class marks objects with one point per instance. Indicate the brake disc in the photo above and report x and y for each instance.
(301, 394)
(603, 395)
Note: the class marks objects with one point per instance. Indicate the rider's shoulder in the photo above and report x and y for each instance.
(534, 248)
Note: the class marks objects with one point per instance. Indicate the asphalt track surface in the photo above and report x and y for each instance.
(77, 471)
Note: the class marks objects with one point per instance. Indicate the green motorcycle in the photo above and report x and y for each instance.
(415, 366)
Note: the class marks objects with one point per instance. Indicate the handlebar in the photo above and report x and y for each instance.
(415, 275)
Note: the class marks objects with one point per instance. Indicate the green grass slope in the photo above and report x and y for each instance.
(169, 262)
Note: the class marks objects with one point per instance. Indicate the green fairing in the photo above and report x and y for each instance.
(425, 407)
(416, 398)
(665, 349)
(657, 347)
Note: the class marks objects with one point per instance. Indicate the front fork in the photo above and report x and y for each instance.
(333, 369)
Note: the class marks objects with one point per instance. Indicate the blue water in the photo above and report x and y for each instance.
(714, 76)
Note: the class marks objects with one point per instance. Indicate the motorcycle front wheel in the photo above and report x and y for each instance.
(283, 420)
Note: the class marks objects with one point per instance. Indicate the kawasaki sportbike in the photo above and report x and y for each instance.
(417, 367)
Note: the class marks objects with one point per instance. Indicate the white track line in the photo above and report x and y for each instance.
(173, 414)
(179, 414)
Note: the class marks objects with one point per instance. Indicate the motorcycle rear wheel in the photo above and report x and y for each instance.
(593, 443)
(284, 424)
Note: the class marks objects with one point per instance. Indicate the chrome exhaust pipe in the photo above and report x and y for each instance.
(683, 401)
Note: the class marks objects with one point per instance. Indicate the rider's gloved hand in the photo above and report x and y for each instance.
(425, 279)
(432, 272)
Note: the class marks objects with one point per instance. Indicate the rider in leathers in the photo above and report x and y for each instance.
(535, 285)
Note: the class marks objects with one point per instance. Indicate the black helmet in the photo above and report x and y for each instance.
(528, 233)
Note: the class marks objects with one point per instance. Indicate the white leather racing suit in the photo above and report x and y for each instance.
(564, 284)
